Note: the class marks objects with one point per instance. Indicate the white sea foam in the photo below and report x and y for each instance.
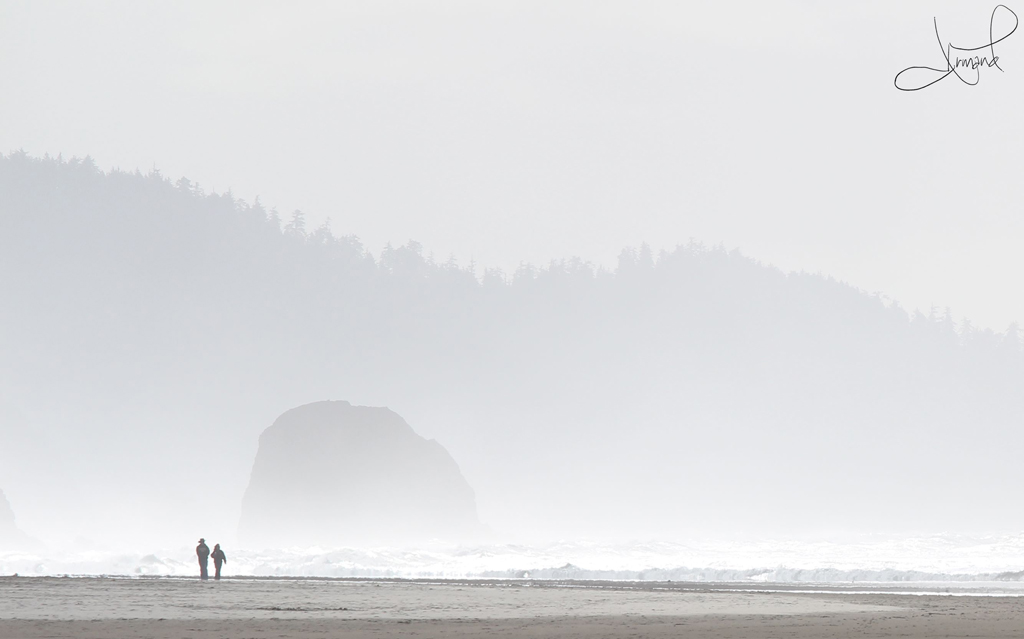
(890, 559)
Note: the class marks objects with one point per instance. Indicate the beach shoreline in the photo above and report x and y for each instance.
(119, 608)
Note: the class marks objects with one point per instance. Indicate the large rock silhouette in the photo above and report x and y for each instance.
(11, 538)
(333, 474)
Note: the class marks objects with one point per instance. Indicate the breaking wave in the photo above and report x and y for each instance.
(950, 558)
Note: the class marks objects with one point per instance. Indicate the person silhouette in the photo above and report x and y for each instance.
(203, 552)
(218, 558)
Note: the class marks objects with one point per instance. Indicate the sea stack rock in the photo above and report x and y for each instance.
(332, 474)
(10, 537)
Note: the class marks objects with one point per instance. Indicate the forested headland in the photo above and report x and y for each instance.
(131, 301)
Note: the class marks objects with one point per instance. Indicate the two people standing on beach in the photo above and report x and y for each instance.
(203, 552)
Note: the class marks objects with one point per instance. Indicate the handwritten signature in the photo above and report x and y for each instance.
(918, 78)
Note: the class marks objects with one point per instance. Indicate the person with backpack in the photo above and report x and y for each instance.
(218, 558)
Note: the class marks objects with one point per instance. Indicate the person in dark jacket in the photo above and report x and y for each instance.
(218, 558)
(203, 552)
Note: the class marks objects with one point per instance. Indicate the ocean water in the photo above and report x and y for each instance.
(936, 558)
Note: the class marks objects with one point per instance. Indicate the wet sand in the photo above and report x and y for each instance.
(165, 608)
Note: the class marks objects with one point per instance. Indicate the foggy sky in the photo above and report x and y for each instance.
(518, 131)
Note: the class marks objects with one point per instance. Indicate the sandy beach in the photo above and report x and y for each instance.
(122, 608)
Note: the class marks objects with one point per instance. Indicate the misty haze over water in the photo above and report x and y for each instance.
(161, 329)
(672, 404)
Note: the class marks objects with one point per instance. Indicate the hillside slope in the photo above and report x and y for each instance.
(697, 390)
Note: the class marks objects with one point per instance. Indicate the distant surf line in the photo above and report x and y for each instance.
(996, 589)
